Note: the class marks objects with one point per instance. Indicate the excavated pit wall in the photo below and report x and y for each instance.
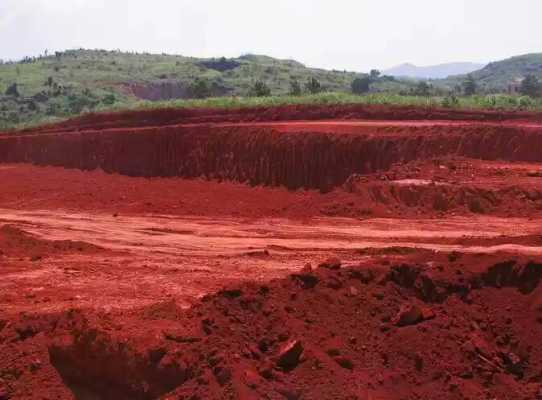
(259, 155)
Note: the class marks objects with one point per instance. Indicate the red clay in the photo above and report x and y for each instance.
(269, 156)
(428, 238)
(175, 116)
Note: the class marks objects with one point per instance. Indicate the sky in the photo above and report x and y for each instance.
(356, 35)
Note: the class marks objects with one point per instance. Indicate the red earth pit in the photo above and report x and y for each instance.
(299, 252)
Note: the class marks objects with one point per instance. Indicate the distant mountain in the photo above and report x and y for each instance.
(440, 71)
(499, 75)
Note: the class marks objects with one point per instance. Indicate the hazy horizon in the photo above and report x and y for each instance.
(351, 35)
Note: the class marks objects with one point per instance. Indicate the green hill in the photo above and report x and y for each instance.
(52, 87)
(76, 81)
(498, 76)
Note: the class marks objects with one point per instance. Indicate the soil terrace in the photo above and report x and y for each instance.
(341, 252)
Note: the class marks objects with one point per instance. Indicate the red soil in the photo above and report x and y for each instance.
(113, 286)
(175, 116)
(429, 188)
(465, 328)
(217, 144)
(15, 242)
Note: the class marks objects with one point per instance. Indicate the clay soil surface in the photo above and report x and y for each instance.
(414, 278)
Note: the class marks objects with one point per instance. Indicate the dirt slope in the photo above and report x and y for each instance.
(461, 326)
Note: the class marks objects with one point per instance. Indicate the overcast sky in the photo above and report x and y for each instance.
(343, 34)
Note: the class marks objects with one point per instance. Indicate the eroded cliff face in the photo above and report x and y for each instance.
(263, 155)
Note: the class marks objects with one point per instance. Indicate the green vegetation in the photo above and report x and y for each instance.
(470, 86)
(200, 89)
(295, 88)
(260, 89)
(497, 102)
(422, 89)
(499, 76)
(313, 85)
(66, 84)
(531, 86)
(361, 85)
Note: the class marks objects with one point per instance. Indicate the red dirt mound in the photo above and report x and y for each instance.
(448, 185)
(430, 188)
(460, 326)
(15, 242)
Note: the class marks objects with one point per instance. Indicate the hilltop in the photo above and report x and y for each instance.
(497, 76)
(68, 83)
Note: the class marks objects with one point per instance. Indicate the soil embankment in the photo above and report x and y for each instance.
(310, 155)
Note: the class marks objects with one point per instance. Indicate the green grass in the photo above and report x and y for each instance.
(493, 102)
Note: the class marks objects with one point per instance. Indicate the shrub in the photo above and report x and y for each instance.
(525, 101)
(361, 85)
(260, 89)
(295, 88)
(530, 86)
(450, 101)
(200, 89)
(469, 85)
(109, 99)
(313, 86)
(12, 90)
(422, 89)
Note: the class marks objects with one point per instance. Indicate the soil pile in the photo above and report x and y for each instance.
(395, 326)
(15, 242)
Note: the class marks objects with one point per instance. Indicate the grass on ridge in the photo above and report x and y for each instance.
(489, 102)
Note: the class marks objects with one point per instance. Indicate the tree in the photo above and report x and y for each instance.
(109, 99)
(450, 101)
(260, 89)
(422, 89)
(374, 74)
(530, 86)
(469, 85)
(12, 90)
(200, 89)
(295, 88)
(313, 86)
(361, 85)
